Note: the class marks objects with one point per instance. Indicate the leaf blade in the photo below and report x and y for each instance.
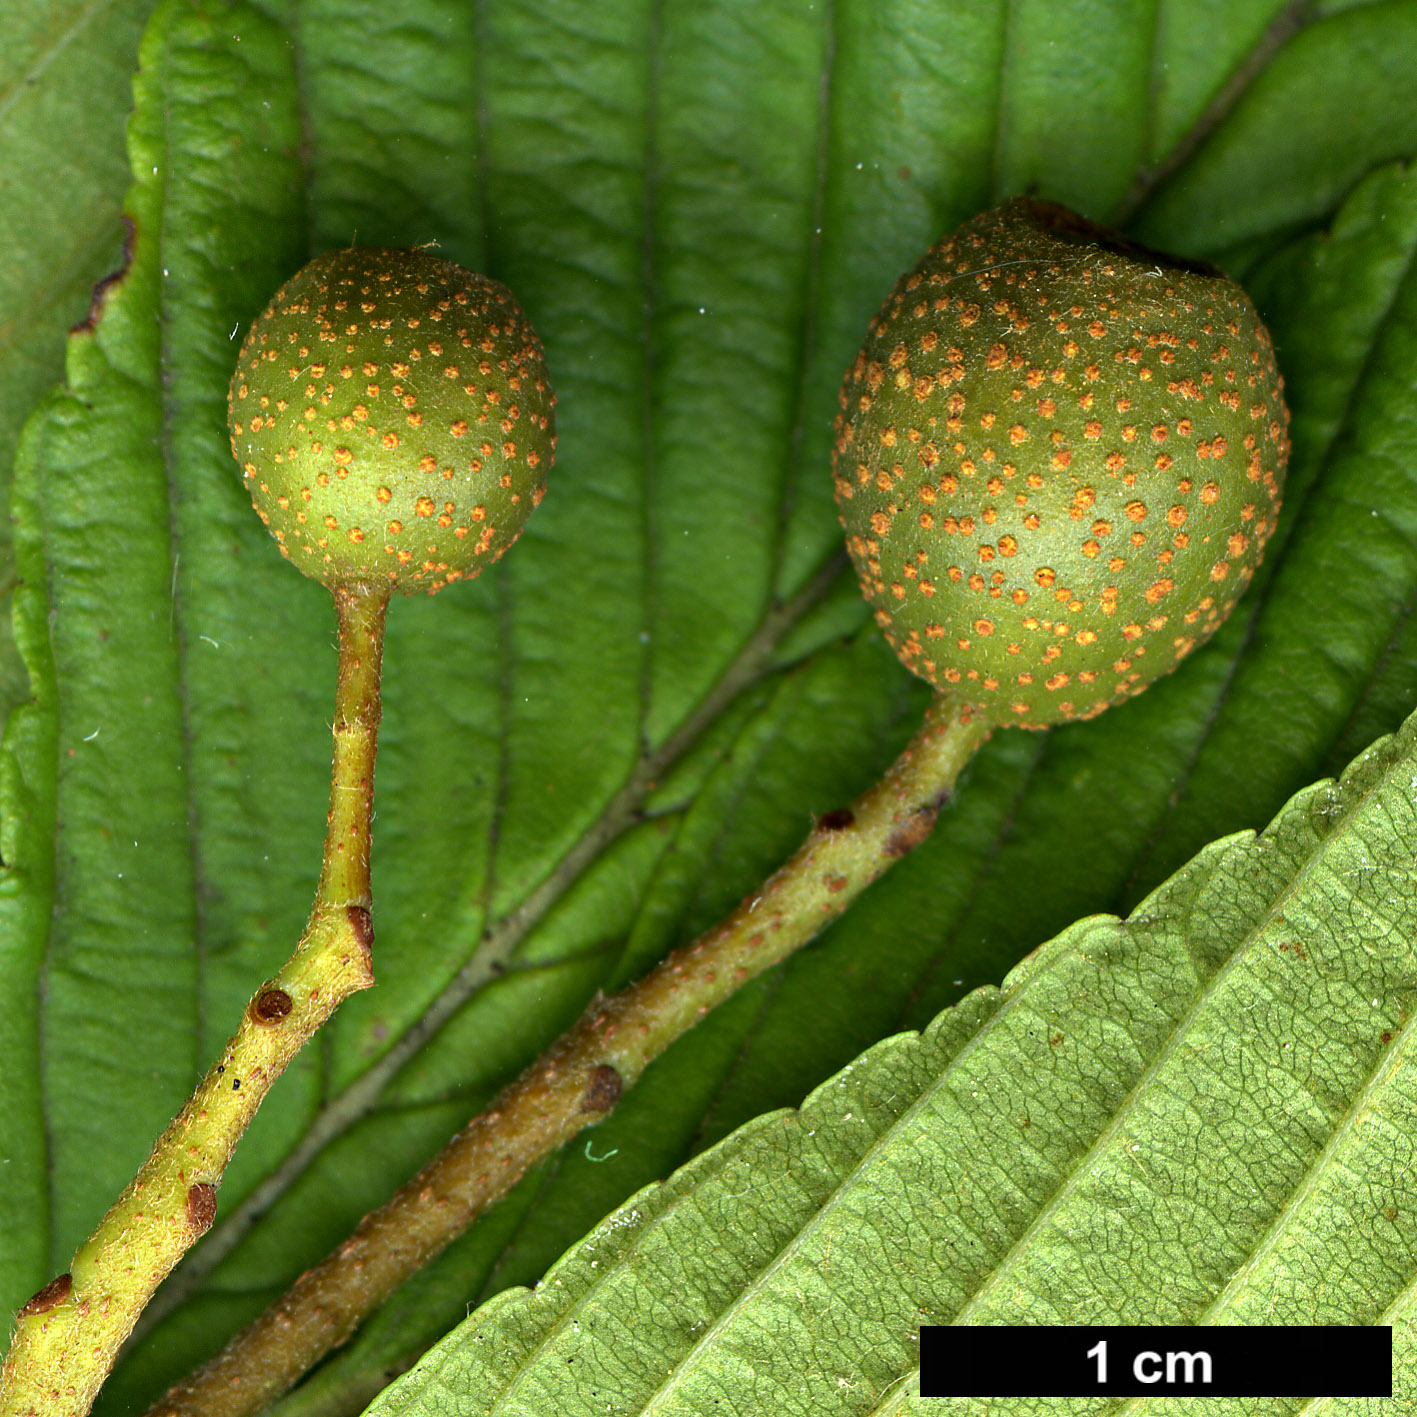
(544, 148)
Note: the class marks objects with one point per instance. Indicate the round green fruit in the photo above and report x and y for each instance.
(1058, 459)
(393, 419)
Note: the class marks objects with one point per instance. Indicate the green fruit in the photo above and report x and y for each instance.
(393, 419)
(1058, 460)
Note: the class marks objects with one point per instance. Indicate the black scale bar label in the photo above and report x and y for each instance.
(1057, 1361)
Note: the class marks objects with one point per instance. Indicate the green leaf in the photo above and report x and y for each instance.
(1206, 1113)
(1287, 137)
(699, 203)
(65, 71)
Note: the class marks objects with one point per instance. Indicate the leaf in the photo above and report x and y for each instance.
(64, 70)
(699, 205)
(1206, 1113)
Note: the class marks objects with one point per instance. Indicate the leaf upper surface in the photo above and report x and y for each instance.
(699, 205)
(65, 71)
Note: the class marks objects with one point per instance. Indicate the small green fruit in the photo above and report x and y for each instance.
(393, 418)
(1058, 460)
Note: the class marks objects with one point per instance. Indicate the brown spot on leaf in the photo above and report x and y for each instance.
(99, 298)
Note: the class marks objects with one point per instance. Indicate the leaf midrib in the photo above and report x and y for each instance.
(46, 55)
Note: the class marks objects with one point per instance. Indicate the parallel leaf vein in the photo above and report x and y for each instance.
(1206, 991)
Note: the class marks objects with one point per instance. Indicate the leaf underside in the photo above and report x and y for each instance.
(699, 205)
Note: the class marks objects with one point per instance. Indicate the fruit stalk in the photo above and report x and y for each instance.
(68, 1334)
(344, 876)
(581, 1077)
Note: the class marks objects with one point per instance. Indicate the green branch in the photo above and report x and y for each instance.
(69, 1333)
(493, 952)
(578, 1081)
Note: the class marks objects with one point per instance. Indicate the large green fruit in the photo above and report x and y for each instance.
(1058, 460)
(393, 419)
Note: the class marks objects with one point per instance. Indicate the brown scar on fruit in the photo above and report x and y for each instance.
(99, 298)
